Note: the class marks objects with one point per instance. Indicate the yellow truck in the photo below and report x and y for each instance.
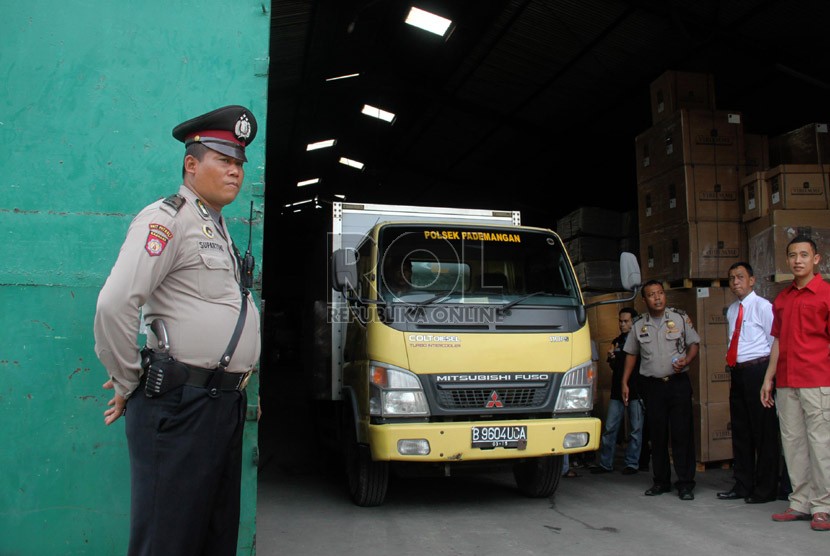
(458, 338)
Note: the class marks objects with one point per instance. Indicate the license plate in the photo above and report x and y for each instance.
(513, 436)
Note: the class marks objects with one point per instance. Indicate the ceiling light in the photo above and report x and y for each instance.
(298, 203)
(312, 181)
(375, 112)
(339, 195)
(321, 144)
(428, 21)
(347, 76)
(350, 162)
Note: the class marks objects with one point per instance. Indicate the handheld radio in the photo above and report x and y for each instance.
(248, 261)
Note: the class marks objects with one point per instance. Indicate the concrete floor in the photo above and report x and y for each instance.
(303, 510)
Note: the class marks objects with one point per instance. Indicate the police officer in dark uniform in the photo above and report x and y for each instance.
(667, 343)
(183, 396)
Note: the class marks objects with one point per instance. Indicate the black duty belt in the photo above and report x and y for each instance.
(675, 376)
(201, 378)
(752, 362)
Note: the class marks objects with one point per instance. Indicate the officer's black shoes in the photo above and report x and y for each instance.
(657, 490)
(686, 494)
(729, 495)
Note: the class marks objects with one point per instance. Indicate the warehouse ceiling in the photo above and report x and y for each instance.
(526, 104)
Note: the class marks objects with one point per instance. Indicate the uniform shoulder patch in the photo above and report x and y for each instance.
(157, 239)
(175, 201)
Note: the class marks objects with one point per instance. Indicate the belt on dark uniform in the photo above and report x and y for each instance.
(201, 378)
(674, 376)
(752, 362)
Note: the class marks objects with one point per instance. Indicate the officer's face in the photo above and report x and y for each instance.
(655, 297)
(740, 282)
(217, 178)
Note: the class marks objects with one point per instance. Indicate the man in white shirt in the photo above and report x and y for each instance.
(755, 431)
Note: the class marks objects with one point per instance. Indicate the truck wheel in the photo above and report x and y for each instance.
(367, 479)
(538, 477)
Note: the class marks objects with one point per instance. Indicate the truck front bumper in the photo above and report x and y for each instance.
(454, 441)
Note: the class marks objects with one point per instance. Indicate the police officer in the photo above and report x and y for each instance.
(183, 396)
(667, 343)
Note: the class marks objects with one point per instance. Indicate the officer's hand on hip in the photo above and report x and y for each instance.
(117, 405)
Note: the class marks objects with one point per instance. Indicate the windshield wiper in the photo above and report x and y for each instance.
(434, 298)
(503, 308)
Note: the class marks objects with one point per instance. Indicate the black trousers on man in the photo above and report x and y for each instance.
(185, 463)
(755, 434)
(669, 414)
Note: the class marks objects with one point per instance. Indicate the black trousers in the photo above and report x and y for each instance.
(669, 416)
(755, 434)
(185, 463)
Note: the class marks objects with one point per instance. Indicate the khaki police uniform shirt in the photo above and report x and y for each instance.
(658, 343)
(180, 267)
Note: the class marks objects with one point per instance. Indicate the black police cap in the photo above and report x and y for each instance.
(227, 130)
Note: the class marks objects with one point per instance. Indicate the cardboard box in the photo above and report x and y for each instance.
(712, 137)
(809, 144)
(603, 320)
(713, 431)
(706, 308)
(797, 186)
(678, 89)
(756, 149)
(591, 248)
(768, 241)
(755, 200)
(694, 250)
(590, 221)
(690, 193)
(601, 276)
(710, 379)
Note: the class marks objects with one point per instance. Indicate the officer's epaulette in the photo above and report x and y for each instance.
(175, 201)
(680, 312)
(639, 317)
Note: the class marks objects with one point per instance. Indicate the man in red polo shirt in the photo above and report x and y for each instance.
(799, 369)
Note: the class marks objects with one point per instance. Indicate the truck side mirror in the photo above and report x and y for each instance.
(344, 270)
(630, 271)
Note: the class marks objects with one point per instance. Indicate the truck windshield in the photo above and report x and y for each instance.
(473, 265)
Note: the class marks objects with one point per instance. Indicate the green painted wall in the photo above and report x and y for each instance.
(89, 92)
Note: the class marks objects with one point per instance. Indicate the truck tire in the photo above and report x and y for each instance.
(367, 479)
(538, 477)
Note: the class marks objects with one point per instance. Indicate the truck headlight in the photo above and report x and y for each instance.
(395, 392)
(576, 392)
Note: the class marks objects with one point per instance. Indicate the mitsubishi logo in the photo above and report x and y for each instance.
(494, 401)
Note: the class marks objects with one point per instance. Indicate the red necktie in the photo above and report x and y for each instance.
(732, 354)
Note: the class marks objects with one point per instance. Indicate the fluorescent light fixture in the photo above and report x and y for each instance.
(350, 162)
(428, 21)
(312, 181)
(289, 205)
(375, 112)
(339, 195)
(339, 77)
(321, 144)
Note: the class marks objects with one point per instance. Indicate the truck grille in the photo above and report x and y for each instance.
(479, 398)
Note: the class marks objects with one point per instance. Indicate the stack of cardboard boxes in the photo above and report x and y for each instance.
(786, 198)
(690, 164)
(594, 238)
